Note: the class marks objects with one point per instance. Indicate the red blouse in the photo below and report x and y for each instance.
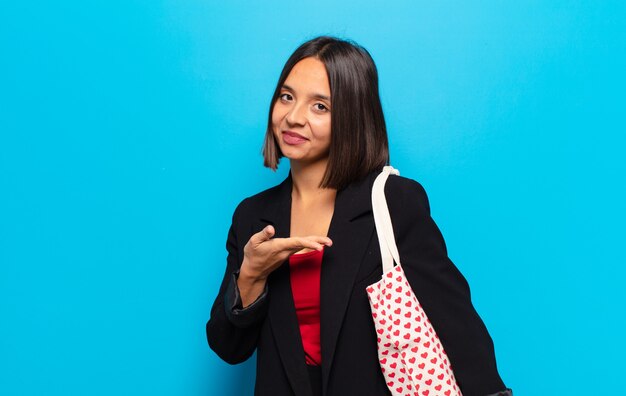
(305, 271)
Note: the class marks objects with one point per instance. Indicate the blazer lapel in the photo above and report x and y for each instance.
(282, 311)
(350, 230)
(284, 325)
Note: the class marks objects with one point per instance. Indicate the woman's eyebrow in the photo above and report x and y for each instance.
(314, 95)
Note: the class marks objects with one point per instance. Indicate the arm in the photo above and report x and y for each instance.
(232, 331)
(442, 290)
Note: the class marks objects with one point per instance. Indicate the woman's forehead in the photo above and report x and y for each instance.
(308, 77)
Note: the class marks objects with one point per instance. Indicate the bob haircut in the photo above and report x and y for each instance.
(358, 132)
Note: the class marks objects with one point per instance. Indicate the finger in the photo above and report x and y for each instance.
(322, 240)
(265, 234)
(297, 243)
(319, 239)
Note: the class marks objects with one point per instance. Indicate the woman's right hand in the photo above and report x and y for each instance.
(262, 255)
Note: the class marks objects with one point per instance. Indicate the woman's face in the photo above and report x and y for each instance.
(301, 115)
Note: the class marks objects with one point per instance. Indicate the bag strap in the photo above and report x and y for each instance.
(382, 220)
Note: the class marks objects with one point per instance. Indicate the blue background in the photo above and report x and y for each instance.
(130, 130)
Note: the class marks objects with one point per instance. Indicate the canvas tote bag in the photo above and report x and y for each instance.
(410, 354)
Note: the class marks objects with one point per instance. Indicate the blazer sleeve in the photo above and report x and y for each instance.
(232, 331)
(442, 290)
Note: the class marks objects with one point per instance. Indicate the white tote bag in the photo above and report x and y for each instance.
(410, 354)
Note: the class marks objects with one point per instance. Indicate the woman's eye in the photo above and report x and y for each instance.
(281, 96)
(323, 108)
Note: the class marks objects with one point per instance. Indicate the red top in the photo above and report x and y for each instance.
(305, 285)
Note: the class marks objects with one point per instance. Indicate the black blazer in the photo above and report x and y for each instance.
(348, 339)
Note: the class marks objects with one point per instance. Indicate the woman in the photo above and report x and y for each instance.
(301, 254)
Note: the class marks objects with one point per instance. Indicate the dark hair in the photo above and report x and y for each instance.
(358, 133)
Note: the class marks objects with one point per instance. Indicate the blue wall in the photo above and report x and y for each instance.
(130, 130)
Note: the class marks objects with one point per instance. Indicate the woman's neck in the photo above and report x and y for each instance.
(306, 179)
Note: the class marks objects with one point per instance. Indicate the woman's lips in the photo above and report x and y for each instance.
(293, 138)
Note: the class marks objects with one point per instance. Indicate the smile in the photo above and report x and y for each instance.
(293, 138)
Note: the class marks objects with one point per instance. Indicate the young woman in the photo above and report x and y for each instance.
(301, 254)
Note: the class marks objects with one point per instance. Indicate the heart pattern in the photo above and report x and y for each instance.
(410, 354)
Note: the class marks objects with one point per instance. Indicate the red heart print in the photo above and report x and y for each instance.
(431, 372)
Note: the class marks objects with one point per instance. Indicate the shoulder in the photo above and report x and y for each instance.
(404, 192)
(256, 202)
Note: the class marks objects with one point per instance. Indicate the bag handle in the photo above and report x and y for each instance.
(382, 220)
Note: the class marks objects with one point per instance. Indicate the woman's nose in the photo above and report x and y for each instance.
(297, 114)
